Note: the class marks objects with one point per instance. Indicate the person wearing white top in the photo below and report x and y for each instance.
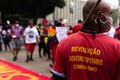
(31, 37)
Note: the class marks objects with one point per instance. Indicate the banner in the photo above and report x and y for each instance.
(9, 71)
(61, 32)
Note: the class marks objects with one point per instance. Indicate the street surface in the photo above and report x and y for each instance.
(39, 65)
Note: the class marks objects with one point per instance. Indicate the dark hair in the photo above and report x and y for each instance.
(80, 21)
(57, 23)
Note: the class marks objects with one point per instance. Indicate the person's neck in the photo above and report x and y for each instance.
(88, 30)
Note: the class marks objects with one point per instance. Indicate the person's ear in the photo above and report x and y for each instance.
(102, 18)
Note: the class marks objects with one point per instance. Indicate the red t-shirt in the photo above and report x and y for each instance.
(77, 27)
(117, 32)
(80, 57)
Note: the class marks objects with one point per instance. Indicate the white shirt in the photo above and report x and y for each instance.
(111, 33)
(30, 35)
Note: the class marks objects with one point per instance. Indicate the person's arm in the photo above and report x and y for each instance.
(24, 36)
(38, 38)
(59, 66)
(37, 35)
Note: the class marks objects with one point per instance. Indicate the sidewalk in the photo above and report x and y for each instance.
(39, 65)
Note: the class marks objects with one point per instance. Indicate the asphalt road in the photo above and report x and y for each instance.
(39, 65)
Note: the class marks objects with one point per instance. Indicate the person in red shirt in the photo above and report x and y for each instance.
(54, 42)
(117, 33)
(77, 27)
(89, 54)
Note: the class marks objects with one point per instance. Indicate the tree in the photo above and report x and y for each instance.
(115, 16)
(47, 6)
(29, 8)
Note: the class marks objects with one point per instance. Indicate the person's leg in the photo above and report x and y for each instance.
(8, 44)
(27, 52)
(48, 52)
(39, 48)
(44, 51)
(31, 55)
(0, 46)
(33, 45)
(17, 48)
(5, 44)
(14, 50)
(14, 54)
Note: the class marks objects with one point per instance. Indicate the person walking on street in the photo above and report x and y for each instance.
(41, 44)
(6, 39)
(31, 37)
(89, 54)
(16, 32)
(1, 40)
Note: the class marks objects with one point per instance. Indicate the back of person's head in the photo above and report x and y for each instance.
(76, 28)
(100, 20)
(80, 21)
(31, 25)
(57, 23)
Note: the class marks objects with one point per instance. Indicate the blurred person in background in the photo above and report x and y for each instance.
(16, 33)
(41, 44)
(117, 32)
(31, 38)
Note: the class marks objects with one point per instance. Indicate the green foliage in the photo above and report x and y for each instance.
(60, 3)
(115, 16)
(30, 8)
(47, 6)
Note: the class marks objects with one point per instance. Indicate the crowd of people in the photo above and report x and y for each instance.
(14, 35)
(88, 51)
